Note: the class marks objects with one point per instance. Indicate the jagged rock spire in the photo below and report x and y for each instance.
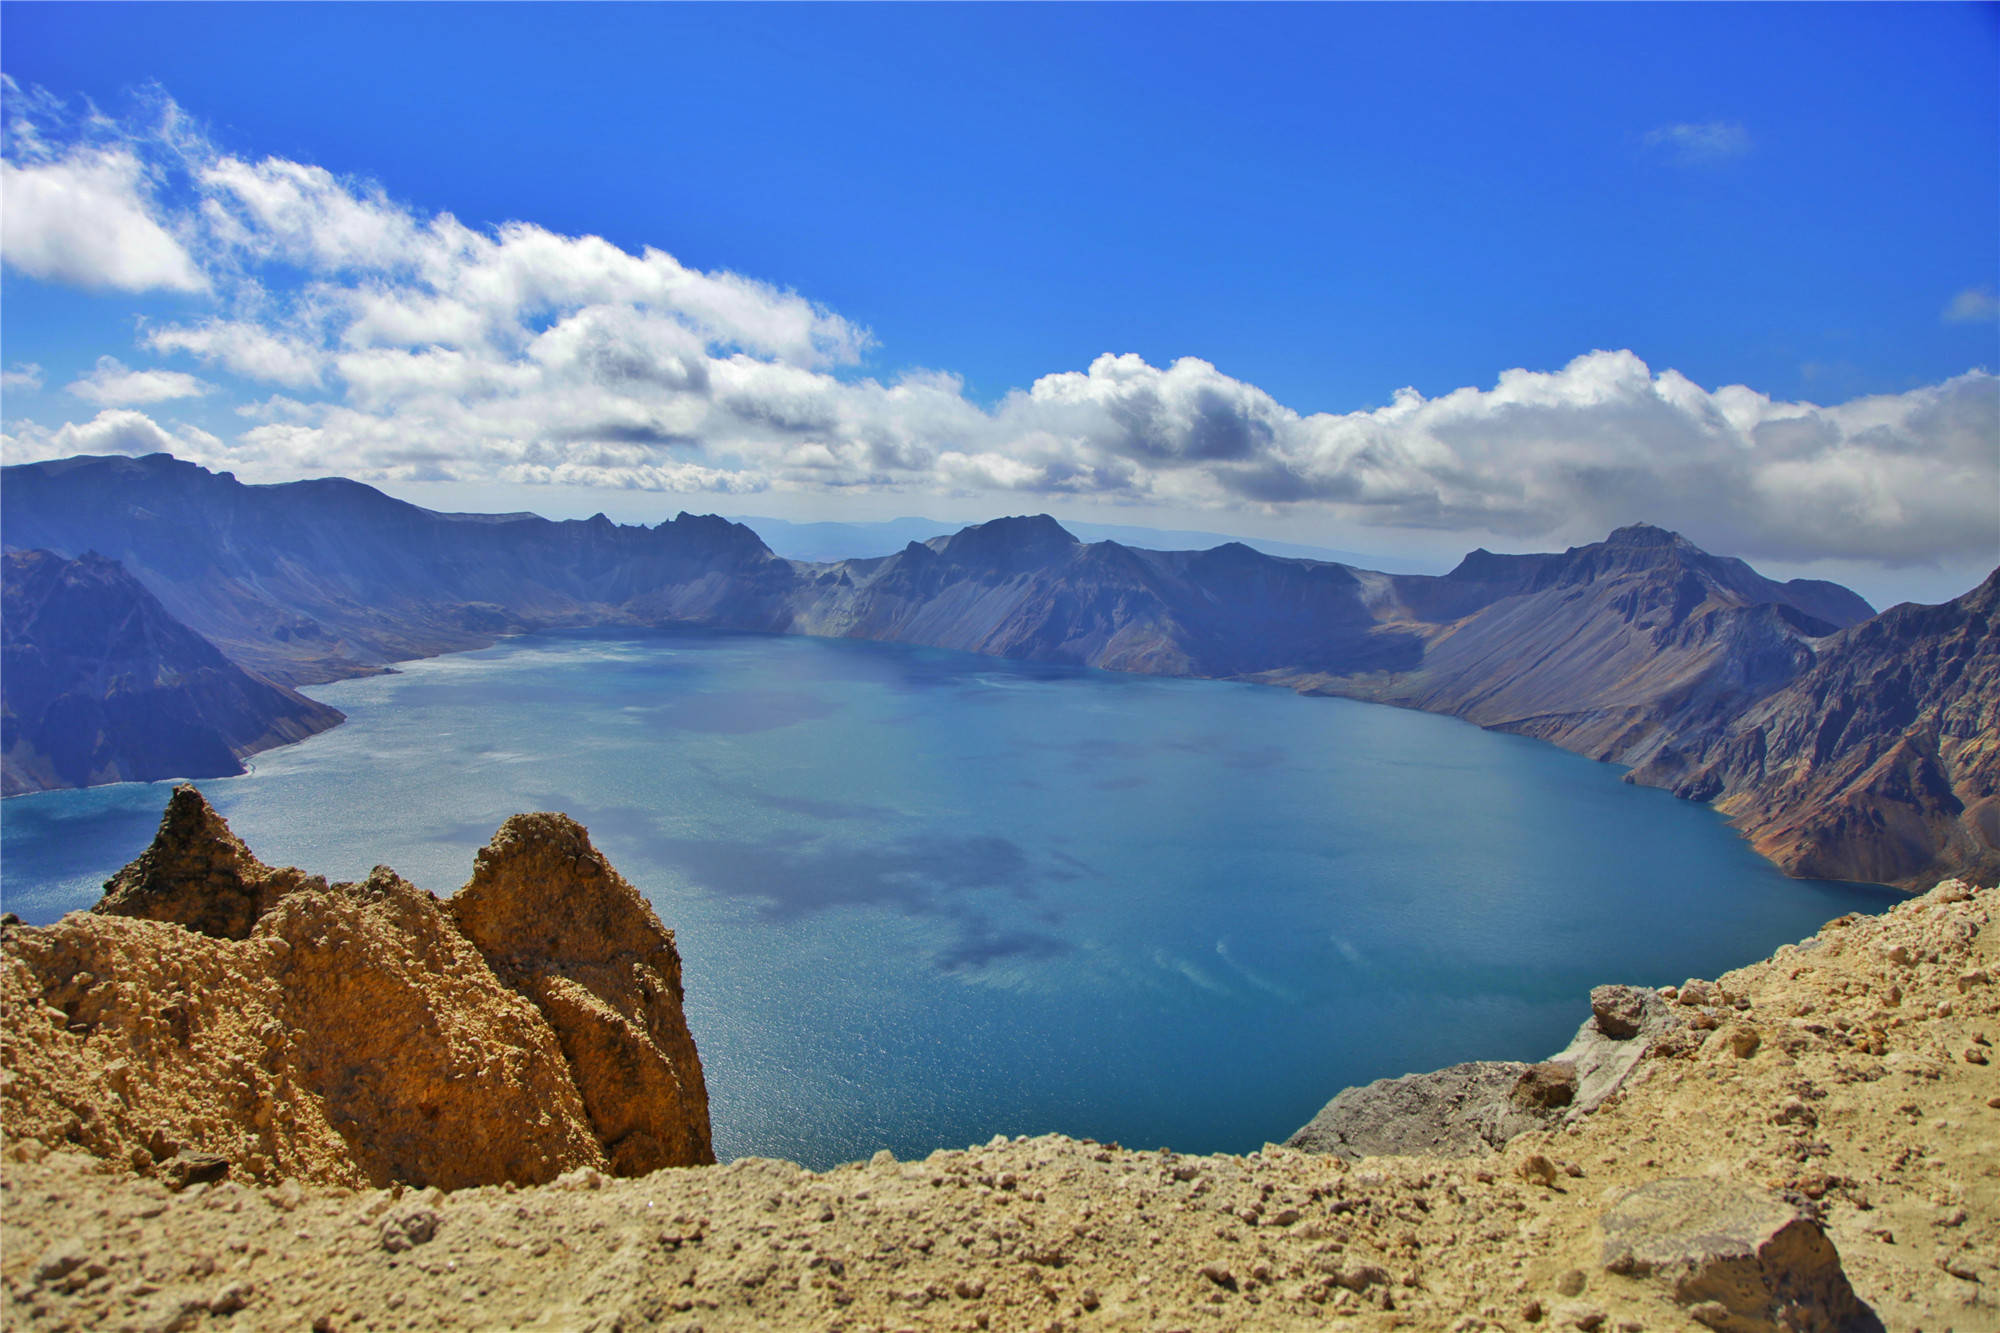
(560, 925)
(197, 873)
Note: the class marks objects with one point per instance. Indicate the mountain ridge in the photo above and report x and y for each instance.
(101, 684)
(1627, 650)
(1900, 717)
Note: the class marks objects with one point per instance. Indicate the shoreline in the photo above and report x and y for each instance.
(1303, 690)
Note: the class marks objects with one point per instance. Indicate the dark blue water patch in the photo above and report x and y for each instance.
(813, 808)
(924, 897)
(790, 878)
(980, 944)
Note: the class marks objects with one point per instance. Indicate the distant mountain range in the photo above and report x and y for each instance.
(1693, 669)
(827, 542)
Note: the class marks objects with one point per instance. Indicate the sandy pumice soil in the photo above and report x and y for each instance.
(1852, 1077)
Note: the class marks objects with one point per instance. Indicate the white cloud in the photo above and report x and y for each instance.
(1694, 145)
(1974, 305)
(244, 349)
(454, 287)
(414, 348)
(1604, 441)
(316, 261)
(84, 219)
(112, 385)
(24, 375)
(304, 215)
(1563, 455)
(114, 431)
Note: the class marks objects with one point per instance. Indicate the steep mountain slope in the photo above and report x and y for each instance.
(1881, 761)
(1641, 649)
(99, 684)
(1608, 649)
(1024, 587)
(315, 580)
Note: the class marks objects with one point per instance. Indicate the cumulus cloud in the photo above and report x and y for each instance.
(114, 431)
(303, 214)
(1974, 305)
(396, 345)
(85, 218)
(1568, 453)
(1697, 144)
(23, 375)
(112, 385)
(245, 349)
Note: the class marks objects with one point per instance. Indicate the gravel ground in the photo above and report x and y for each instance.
(1853, 1075)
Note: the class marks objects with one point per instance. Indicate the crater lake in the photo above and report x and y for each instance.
(924, 898)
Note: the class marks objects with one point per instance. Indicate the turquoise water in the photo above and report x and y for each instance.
(925, 897)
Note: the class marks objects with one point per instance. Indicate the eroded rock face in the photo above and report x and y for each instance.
(557, 923)
(429, 1067)
(1734, 1258)
(354, 1033)
(1870, 1095)
(1472, 1108)
(1461, 1111)
(1619, 1011)
(198, 874)
(1626, 1023)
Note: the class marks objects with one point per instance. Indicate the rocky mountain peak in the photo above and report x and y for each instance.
(560, 925)
(1657, 556)
(198, 874)
(1015, 542)
(1645, 534)
(540, 890)
(714, 527)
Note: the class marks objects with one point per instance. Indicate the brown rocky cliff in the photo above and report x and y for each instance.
(1881, 762)
(198, 874)
(269, 1024)
(557, 923)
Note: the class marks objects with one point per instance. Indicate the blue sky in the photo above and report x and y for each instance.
(954, 257)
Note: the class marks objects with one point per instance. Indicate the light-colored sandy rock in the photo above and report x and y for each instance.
(1735, 1258)
(557, 923)
(1482, 1105)
(1855, 1101)
(1460, 1111)
(351, 1035)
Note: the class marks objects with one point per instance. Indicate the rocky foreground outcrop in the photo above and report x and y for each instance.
(214, 1016)
(1485, 1104)
(1816, 1147)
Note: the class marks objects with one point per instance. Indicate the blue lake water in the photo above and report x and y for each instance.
(924, 897)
